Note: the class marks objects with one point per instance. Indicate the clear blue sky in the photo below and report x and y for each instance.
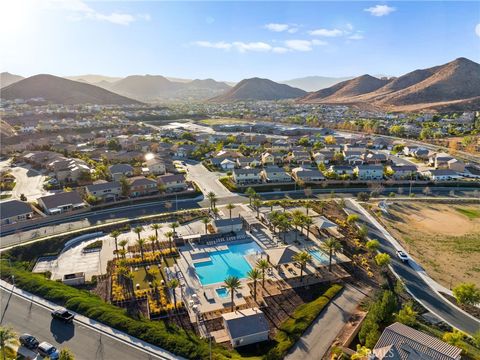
(234, 40)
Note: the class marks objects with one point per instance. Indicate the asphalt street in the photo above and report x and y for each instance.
(416, 285)
(86, 343)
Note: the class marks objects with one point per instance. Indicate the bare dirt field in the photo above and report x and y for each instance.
(443, 238)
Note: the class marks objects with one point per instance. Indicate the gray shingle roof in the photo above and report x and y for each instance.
(13, 208)
(120, 168)
(103, 186)
(407, 340)
(245, 322)
(62, 198)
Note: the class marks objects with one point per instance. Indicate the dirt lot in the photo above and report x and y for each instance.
(443, 238)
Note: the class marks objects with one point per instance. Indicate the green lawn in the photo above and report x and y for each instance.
(222, 121)
(142, 277)
(470, 213)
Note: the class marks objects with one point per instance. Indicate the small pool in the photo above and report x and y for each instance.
(320, 256)
(222, 292)
(224, 263)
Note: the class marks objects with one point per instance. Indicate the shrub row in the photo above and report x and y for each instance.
(159, 333)
(292, 329)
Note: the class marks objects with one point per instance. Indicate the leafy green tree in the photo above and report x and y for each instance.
(362, 353)
(8, 340)
(352, 218)
(453, 338)
(233, 284)
(467, 293)
(382, 260)
(407, 315)
(372, 246)
(66, 354)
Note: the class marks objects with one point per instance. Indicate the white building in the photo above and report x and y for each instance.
(246, 327)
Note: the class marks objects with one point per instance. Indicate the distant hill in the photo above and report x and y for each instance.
(58, 90)
(7, 79)
(450, 86)
(93, 78)
(314, 83)
(259, 89)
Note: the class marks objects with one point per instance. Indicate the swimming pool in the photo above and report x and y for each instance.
(224, 263)
(320, 256)
(222, 292)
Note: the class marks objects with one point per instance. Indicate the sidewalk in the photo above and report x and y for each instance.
(96, 326)
(318, 338)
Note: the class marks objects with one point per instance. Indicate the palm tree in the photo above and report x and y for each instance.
(308, 206)
(284, 225)
(303, 258)
(263, 265)
(250, 192)
(307, 222)
(274, 217)
(173, 284)
(206, 221)
(153, 240)
(156, 227)
(141, 243)
(115, 234)
(230, 207)
(138, 230)
(174, 225)
(122, 253)
(8, 339)
(123, 243)
(232, 283)
(169, 235)
(331, 245)
(297, 221)
(254, 275)
(257, 203)
(213, 199)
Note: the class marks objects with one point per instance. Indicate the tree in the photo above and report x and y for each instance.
(308, 222)
(397, 130)
(302, 258)
(138, 230)
(308, 205)
(115, 234)
(407, 315)
(352, 218)
(263, 265)
(232, 283)
(174, 225)
(141, 244)
(254, 275)
(382, 260)
(453, 338)
(257, 203)
(23, 197)
(156, 227)
(362, 353)
(173, 284)
(8, 340)
(125, 185)
(123, 243)
(230, 207)
(169, 235)
(363, 232)
(330, 140)
(363, 196)
(250, 192)
(467, 293)
(153, 240)
(372, 246)
(331, 245)
(213, 199)
(476, 338)
(66, 354)
(206, 221)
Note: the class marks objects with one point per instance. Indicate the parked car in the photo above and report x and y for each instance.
(63, 315)
(46, 349)
(402, 256)
(29, 341)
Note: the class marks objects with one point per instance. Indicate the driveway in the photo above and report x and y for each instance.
(316, 341)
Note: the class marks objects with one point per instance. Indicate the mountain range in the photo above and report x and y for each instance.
(315, 83)
(259, 89)
(454, 86)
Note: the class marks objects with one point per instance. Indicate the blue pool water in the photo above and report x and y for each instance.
(225, 263)
(222, 292)
(320, 256)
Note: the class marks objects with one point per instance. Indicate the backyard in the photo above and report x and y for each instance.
(443, 238)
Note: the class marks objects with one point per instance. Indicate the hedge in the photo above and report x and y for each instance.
(292, 329)
(167, 336)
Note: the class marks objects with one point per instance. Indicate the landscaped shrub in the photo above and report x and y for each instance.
(292, 329)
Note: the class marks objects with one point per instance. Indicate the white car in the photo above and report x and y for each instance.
(402, 256)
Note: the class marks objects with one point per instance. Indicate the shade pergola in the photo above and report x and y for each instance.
(282, 255)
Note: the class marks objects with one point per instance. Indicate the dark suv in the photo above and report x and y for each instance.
(29, 341)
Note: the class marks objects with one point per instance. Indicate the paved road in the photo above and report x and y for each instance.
(316, 340)
(86, 343)
(28, 182)
(207, 180)
(430, 299)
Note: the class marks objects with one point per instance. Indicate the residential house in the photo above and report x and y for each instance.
(280, 145)
(246, 326)
(456, 165)
(268, 159)
(323, 156)
(403, 171)
(173, 183)
(369, 172)
(155, 166)
(183, 151)
(439, 160)
(141, 186)
(374, 158)
(69, 170)
(227, 164)
(441, 175)
(247, 176)
(105, 190)
(275, 174)
(119, 171)
(300, 158)
(307, 175)
(61, 202)
(250, 161)
(14, 211)
(401, 342)
(341, 169)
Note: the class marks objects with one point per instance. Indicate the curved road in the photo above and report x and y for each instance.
(415, 284)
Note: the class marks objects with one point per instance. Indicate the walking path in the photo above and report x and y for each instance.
(316, 341)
